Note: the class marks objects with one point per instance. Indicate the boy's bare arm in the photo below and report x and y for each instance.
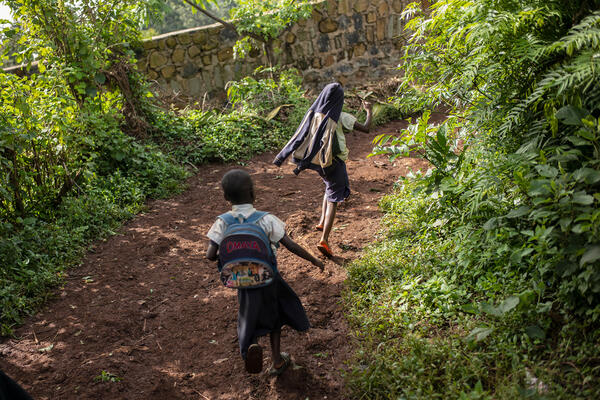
(366, 127)
(211, 251)
(300, 251)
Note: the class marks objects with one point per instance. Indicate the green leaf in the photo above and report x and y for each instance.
(547, 171)
(518, 254)
(535, 332)
(544, 308)
(565, 223)
(490, 309)
(22, 105)
(100, 78)
(491, 224)
(509, 304)
(469, 308)
(479, 334)
(583, 198)
(539, 187)
(587, 175)
(571, 115)
(527, 297)
(29, 221)
(519, 212)
(591, 255)
(578, 141)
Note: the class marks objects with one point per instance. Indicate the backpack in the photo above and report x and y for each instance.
(246, 259)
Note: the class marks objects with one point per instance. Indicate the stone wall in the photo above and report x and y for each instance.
(350, 40)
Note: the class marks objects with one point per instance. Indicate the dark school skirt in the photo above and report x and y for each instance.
(267, 309)
(337, 186)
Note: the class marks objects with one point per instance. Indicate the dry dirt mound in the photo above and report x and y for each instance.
(145, 317)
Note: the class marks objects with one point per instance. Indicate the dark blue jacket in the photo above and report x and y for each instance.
(328, 106)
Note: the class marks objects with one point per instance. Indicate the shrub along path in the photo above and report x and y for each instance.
(145, 317)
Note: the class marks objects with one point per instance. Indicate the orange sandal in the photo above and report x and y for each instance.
(319, 227)
(324, 249)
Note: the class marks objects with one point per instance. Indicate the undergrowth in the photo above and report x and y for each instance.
(485, 282)
(440, 313)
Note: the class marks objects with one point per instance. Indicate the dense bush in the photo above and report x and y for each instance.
(261, 115)
(486, 284)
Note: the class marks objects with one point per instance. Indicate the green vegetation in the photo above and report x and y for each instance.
(83, 144)
(486, 284)
(263, 113)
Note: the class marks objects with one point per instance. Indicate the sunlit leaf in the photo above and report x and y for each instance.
(591, 255)
(509, 304)
(275, 111)
(479, 334)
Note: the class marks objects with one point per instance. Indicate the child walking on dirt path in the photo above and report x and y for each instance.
(319, 144)
(266, 309)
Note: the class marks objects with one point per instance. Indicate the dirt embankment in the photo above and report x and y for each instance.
(145, 316)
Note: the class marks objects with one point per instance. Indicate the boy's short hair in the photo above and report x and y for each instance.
(237, 186)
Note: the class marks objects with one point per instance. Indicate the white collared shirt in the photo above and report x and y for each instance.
(273, 226)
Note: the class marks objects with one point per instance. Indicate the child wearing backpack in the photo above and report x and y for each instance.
(244, 242)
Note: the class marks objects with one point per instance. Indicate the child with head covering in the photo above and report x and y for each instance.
(319, 144)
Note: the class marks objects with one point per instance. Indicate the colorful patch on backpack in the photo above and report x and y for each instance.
(246, 259)
(246, 274)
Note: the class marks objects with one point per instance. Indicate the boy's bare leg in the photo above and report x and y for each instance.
(323, 209)
(275, 338)
(328, 221)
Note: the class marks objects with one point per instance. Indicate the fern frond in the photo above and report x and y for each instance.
(576, 77)
(584, 35)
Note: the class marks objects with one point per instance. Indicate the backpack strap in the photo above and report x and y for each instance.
(252, 219)
(255, 217)
(228, 219)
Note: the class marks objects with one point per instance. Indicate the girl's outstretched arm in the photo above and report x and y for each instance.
(366, 127)
(300, 251)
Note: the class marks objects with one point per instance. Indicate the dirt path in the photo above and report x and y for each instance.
(146, 307)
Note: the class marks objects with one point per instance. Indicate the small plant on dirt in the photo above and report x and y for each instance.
(106, 376)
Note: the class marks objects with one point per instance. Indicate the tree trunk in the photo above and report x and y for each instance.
(14, 182)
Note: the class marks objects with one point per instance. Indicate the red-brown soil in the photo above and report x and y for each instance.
(147, 307)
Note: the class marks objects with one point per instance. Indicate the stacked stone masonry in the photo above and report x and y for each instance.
(350, 40)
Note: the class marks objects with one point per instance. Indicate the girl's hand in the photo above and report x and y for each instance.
(367, 105)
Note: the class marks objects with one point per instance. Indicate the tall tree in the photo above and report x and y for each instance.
(258, 22)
